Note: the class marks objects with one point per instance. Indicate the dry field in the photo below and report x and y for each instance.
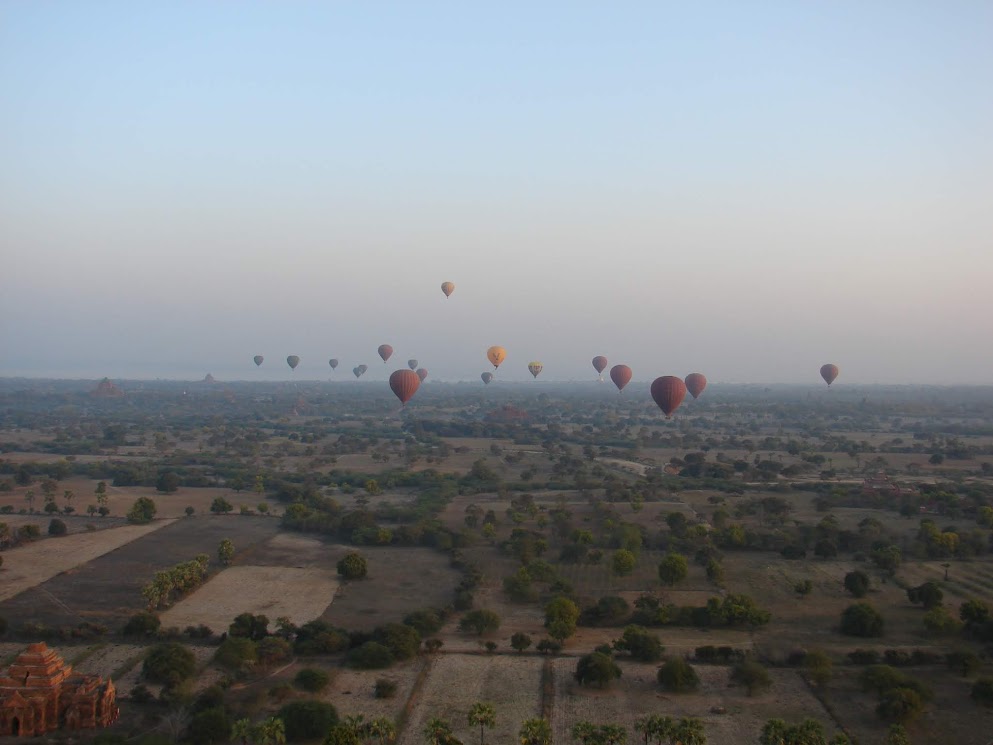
(966, 580)
(299, 594)
(34, 563)
(353, 691)
(512, 684)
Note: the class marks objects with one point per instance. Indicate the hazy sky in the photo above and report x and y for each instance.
(747, 189)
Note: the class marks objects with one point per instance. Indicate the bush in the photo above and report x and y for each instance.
(57, 527)
(236, 652)
(982, 692)
(312, 680)
(596, 668)
(385, 688)
(857, 583)
(678, 676)
(900, 704)
(427, 622)
(209, 726)
(861, 619)
(169, 663)
(641, 644)
(307, 720)
(141, 624)
(353, 566)
(142, 511)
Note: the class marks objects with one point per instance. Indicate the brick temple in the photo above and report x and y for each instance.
(40, 693)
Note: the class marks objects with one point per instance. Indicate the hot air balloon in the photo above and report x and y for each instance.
(385, 351)
(363, 368)
(448, 288)
(258, 359)
(496, 355)
(356, 372)
(404, 384)
(334, 363)
(621, 375)
(535, 367)
(421, 373)
(695, 383)
(293, 361)
(486, 377)
(668, 392)
(412, 364)
(829, 373)
(600, 364)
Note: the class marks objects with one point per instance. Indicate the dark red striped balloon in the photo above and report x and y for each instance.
(668, 392)
(404, 384)
(695, 383)
(621, 375)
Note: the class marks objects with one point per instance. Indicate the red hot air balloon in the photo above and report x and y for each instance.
(600, 364)
(412, 364)
(621, 375)
(829, 373)
(486, 377)
(668, 392)
(258, 359)
(385, 351)
(421, 373)
(404, 384)
(695, 383)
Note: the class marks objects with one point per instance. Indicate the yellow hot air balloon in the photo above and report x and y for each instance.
(448, 288)
(496, 355)
(535, 367)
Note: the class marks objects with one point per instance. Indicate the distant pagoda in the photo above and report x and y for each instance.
(40, 693)
(106, 389)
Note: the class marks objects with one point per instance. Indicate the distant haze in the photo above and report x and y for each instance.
(748, 190)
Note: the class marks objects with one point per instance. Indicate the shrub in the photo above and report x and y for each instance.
(385, 688)
(353, 566)
(142, 511)
(312, 680)
(857, 583)
(209, 726)
(641, 644)
(596, 668)
(752, 675)
(236, 652)
(169, 663)
(141, 624)
(370, 656)
(861, 619)
(678, 676)
(57, 527)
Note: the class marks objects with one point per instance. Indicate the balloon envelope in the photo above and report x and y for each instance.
(356, 372)
(385, 351)
(535, 367)
(404, 384)
(363, 368)
(621, 375)
(448, 288)
(293, 361)
(829, 373)
(486, 377)
(599, 363)
(496, 355)
(695, 383)
(421, 373)
(668, 392)
(412, 364)
(258, 359)
(334, 363)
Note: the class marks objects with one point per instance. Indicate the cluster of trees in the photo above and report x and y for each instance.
(170, 584)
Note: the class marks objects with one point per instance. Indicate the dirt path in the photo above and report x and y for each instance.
(27, 566)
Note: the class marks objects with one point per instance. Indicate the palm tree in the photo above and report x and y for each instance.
(439, 732)
(271, 732)
(382, 728)
(689, 731)
(242, 731)
(535, 732)
(483, 716)
(655, 727)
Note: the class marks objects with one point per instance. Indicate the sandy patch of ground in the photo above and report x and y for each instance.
(34, 563)
(302, 594)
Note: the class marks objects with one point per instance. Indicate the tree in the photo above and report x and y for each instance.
(439, 732)
(678, 676)
(641, 644)
(535, 732)
(604, 734)
(807, 732)
(483, 716)
(689, 731)
(623, 562)
(715, 572)
(225, 552)
(982, 692)
(353, 566)
(561, 616)
(596, 668)
(857, 583)
(901, 704)
(818, 666)
(481, 621)
(928, 594)
(141, 624)
(221, 506)
(312, 680)
(752, 675)
(897, 735)
(249, 626)
(861, 619)
(383, 730)
(655, 727)
(520, 641)
(142, 511)
(307, 720)
(169, 663)
(974, 612)
(673, 569)
(168, 482)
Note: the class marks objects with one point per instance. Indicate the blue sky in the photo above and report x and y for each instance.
(744, 189)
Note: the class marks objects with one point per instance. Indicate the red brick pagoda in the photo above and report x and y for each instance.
(40, 693)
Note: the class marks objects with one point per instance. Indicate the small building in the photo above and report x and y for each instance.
(39, 693)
